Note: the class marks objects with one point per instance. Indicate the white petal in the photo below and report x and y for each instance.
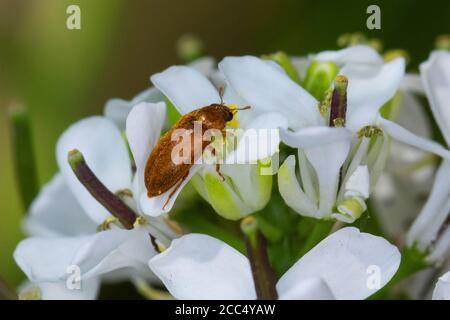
(412, 115)
(267, 89)
(327, 161)
(308, 289)
(197, 267)
(321, 144)
(396, 200)
(204, 65)
(308, 177)
(143, 128)
(356, 54)
(427, 224)
(105, 153)
(117, 110)
(156, 206)
(260, 139)
(439, 252)
(436, 79)
(301, 64)
(359, 183)
(48, 259)
(401, 134)
(347, 261)
(412, 83)
(369, 88)
(55, 211)
(442, 289)
(314, 136)
(292, 192)
(133, 252)
(186, 88)
(59, 291)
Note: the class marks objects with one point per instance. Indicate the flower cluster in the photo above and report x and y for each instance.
(278, 217)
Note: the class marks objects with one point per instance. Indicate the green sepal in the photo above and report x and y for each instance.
(285, 62)
(319, 77)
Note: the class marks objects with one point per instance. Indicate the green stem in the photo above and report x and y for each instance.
(263, 274)
(6, 293)
(25, 164)
(321, 229)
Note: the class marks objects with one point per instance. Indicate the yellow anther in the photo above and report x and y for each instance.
(396, 53)
(369, 132)
(31, 293)
(324, 105)
(105, 225)
(140, 221)
(233, 123)
(443, 42)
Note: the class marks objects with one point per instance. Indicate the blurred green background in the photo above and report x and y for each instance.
(61, 75)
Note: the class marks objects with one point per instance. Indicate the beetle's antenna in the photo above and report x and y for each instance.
(221, 90)
(240, 109)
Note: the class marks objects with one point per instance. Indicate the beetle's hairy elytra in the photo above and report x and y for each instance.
(161, 173)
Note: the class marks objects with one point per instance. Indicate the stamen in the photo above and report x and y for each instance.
(369, 132)
(263, 274)
(158, 246)
(325, 104)
(140, 221)
(105, 225)
(339, 102)
(443, 42)
(396, 53)
(97, 189)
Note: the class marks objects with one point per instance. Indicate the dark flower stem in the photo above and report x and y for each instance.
(263, 274)
(6, 293)
(97, 189)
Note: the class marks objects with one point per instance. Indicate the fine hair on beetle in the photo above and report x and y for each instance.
(191, 141)
(188, 142)
(220, 143)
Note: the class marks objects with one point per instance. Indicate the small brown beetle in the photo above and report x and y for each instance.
(161, 173)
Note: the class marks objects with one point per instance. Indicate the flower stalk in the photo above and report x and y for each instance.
(97, 189)
(263, 274)
(23, 154)
(320, 231)
(6, 293)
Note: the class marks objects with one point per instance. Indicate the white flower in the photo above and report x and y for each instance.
(429, 231)
(63, 219)
(198, 266)
(245, 189)
(398, 194)
(442, 288)
(117, 109)
(329, 155)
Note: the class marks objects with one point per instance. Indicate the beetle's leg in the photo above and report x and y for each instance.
(218, 171)
(218, 166)
(175, 190)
